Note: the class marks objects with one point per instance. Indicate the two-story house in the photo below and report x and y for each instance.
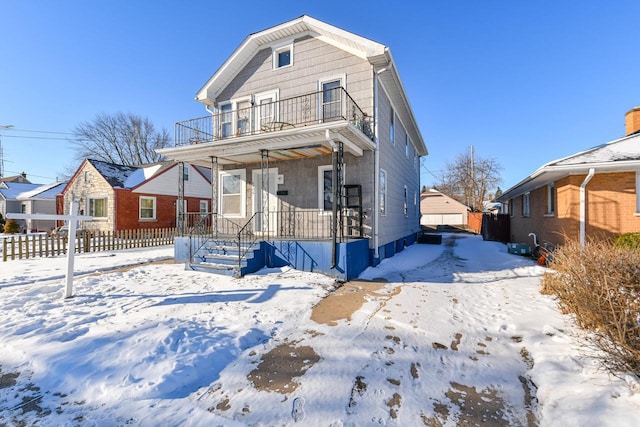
(314, 148)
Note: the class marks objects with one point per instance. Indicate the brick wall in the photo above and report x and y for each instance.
(611, 210)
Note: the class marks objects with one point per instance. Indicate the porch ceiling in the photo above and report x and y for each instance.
(289, 144)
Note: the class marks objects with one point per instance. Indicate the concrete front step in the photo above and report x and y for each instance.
(223, 269)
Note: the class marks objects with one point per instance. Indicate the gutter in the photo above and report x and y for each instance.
(583, 205)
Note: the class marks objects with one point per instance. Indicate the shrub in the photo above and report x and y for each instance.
(628, 240)
(11, 226)
(600, 284)
(2, 221)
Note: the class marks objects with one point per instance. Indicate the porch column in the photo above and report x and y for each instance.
(264, 170)
(180, 211)
(337, 183)
(214, 196)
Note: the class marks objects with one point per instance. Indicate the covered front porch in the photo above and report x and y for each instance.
(250, 217)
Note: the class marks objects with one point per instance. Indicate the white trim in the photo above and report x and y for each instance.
(243, 192)
(637, 192)
(258, 97)
(342, 78)
(153, 208)
(383, 194)
(279, 48)
(551, 199)
(321, 170)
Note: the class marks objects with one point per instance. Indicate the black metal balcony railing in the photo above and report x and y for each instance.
(319, 107)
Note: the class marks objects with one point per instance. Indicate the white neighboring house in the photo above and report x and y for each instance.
(439, 209)
(17, 197)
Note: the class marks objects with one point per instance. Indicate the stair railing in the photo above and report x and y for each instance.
(246, 238)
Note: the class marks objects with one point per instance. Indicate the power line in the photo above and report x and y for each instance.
(44, 137)
(40, 131)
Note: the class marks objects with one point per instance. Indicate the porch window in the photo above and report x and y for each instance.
(226, 120)
(325, 188)
(331, 100)
(383, 192)
(147, 207)
(525, 204)
(233, 193)
(98, 207)
(551, 199)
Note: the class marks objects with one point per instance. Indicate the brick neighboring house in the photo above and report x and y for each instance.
(123, 197)
(589, 195)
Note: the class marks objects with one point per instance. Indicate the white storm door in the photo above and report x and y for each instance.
(258, 201)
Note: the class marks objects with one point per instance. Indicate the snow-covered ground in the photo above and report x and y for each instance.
(437, 335)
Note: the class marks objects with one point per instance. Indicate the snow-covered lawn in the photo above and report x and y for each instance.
(437, 335)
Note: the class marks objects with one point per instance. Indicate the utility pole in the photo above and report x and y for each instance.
(1, 152)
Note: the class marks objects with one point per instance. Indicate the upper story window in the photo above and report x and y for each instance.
(406, 146)
(226, 120)
(392, 133)
(551, 198)
(283, 56)
(525, 204)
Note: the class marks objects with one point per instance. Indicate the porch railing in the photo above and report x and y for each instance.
(318, 107)
(293, 223)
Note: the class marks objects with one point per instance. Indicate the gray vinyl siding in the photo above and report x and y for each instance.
(301, 182)
(313, 60)
(400, 172)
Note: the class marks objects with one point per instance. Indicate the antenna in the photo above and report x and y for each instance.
(1, 152)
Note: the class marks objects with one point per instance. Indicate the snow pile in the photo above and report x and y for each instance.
(452, 333)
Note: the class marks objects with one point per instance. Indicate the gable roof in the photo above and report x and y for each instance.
(620, 155)
(441, 197)
(116, 175)
(43, 192)
(11, 190)
(378, 55)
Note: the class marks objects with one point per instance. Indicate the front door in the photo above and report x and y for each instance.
(259, 201)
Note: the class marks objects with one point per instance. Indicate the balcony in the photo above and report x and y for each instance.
(314, 110)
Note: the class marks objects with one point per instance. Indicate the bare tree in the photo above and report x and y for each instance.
(469, 179)
(125, 139)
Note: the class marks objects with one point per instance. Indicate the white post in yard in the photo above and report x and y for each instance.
(72, 219)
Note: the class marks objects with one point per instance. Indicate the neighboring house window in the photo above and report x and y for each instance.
(86, 177)
(185, 173)
(391, 127)
(551, 198)
(383, 192)
(638, 192)
(204, 206)
(226, 120)
(283, 56)
(147, 207)
(98, 207)
(232, 189)
(23, 208)
(406, 203)
(525, 204)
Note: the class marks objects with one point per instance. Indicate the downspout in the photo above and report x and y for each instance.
(376, 168)
(334, 243)
(583, 205)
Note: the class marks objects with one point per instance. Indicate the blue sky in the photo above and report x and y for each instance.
(524, 82)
